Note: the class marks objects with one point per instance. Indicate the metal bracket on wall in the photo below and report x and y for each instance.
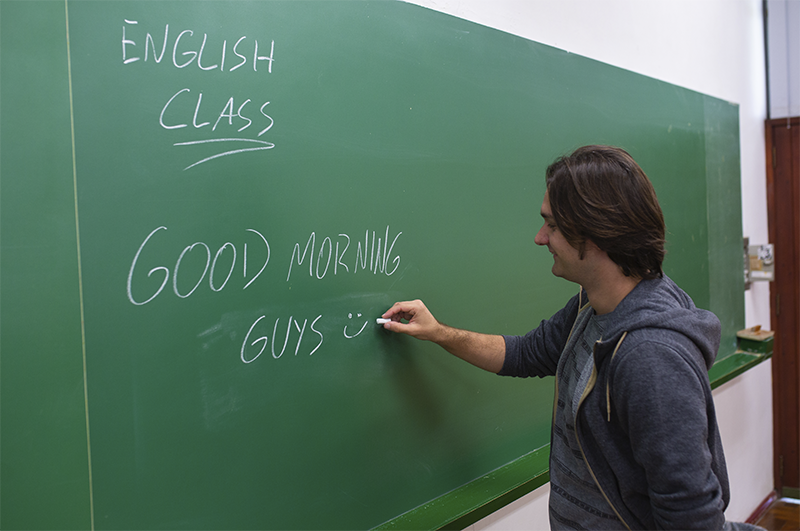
(759, 262)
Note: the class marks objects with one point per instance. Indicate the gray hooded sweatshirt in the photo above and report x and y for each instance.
(635, 442)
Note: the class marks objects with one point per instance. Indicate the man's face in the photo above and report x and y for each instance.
(566, 259)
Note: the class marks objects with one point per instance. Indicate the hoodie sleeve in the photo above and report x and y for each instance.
(537, 352)
(663, 402)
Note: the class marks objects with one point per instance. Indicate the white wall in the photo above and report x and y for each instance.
(712, 46)
(784, 57)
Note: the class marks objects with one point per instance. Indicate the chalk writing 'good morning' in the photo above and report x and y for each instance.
(334, 256)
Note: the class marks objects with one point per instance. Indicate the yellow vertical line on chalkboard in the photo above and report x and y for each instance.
(80, 272)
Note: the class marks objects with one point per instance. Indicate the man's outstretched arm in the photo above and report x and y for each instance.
(482, 350)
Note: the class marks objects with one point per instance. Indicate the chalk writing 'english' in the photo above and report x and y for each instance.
(190, 49)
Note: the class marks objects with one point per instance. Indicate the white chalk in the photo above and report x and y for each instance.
(383, 321)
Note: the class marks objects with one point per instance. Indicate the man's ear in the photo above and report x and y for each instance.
(588, 246)
(580, 247)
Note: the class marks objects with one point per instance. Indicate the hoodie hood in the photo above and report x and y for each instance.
(670, 310)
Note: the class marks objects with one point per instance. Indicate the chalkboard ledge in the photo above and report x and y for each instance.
(481, 497)
(754, 346)
(469, 503)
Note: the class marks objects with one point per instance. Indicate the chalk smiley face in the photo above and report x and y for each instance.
(357, 316)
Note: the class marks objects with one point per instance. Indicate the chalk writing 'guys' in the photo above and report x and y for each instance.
(313, 342)
(247, 357)
(189, 51)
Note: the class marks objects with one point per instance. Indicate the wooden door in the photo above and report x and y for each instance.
(783, 206)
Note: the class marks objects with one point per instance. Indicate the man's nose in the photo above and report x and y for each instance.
(541, 237)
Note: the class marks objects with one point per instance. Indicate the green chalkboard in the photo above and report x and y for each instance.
(205, 206)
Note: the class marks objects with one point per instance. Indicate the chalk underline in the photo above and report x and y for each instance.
(266, 145)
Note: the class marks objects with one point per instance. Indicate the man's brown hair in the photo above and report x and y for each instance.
(600, 193)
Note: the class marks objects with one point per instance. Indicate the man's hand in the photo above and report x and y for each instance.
(485, 351)
(421, 323)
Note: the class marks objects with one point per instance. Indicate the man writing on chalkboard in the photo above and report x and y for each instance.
(635, 442)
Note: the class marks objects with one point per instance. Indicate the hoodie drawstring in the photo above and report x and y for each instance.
(608, 385)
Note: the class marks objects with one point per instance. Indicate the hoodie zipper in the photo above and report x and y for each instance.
(581, 307)
(608, 385)
(589, 386)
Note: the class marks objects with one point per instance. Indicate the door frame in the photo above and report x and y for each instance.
(783, 213)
